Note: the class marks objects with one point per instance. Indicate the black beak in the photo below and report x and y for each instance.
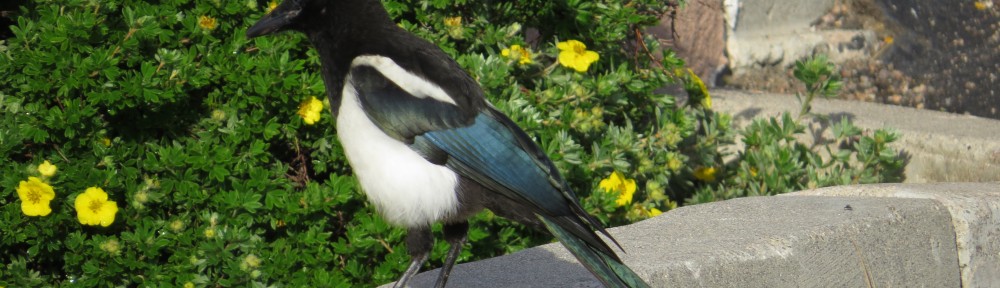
(278, 20)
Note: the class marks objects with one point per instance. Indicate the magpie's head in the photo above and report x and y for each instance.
(286, 16)
(307, 15)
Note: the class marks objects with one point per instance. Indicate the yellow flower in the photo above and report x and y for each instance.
(47, 169)
(522, 55)
(93, 208)
(982, 5)
(270, 6)
(653, 212)
(574, 54)
(250, 262)
(210, 233)
(309, 110)
(617, 183)
(188, 285)
(454, 25)
(697, 90)
(106, 141)
(706, 174)
(35, 196)
(453, 21)
(207, 22)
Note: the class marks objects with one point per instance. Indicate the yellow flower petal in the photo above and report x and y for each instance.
(207, 23)
(310, 110)
(617, 183)
(700, 88)
(516, 52)
(625, 198)
(93, 208)
(627, 189)
(453, 21)
(611, 183)
(525, 59)
(628, 186)
(35, 197)
(653, 212)
(570, 45)
(47, 169)
(270, 6)
(706, 174)
(574, 54)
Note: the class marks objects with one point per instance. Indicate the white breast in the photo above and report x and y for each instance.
(406, 189)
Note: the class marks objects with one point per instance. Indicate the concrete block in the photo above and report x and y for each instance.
(770, 33)
(760, 17)
(975, 213)
(756, 242)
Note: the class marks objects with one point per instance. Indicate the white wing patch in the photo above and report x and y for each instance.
(406, 189)
(412, 84)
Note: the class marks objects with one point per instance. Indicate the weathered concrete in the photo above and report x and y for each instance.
(975, 213)
(802, 241)
(766, 33)
(761, 16)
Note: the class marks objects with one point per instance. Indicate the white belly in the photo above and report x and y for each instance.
(406, 189)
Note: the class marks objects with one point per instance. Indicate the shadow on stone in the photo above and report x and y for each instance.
(542, 267)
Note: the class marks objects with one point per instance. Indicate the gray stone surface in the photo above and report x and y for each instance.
(768, 33)
(975, 212)
(943, 147)
(756, 242)
(762, 16)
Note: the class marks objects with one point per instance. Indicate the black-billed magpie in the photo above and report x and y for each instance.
(426, 145)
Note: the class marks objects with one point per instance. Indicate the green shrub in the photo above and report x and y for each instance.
(776, 161)
(195, 133)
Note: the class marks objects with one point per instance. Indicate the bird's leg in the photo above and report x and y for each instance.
(455, 234)
(419, 242)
